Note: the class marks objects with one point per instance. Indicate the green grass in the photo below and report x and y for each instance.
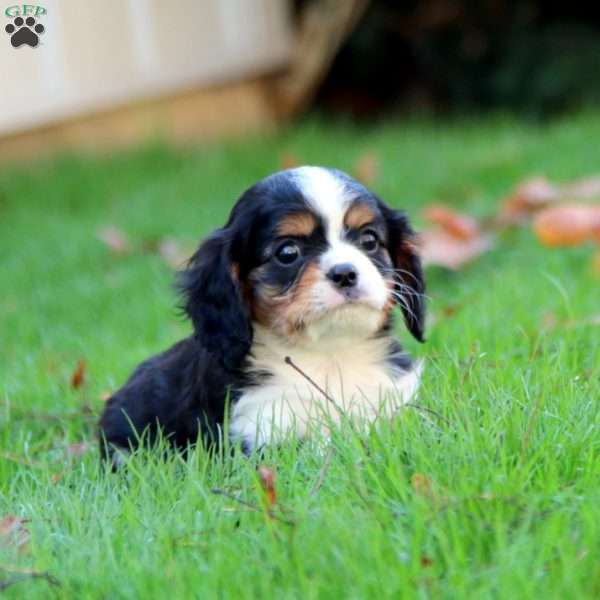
(512, 465)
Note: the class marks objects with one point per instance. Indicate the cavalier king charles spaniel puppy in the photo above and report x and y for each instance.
(291, 304)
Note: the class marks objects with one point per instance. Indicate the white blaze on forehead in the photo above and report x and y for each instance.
(327, 196)
(330, 198)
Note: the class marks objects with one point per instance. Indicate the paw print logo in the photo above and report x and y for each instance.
(24, 32)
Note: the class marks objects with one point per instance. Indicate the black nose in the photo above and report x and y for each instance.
(343, 275)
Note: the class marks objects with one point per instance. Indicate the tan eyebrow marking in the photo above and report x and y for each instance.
(297, 224)
(358, 214)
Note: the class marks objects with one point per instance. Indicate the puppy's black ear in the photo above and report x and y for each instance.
(410, 283)
(213, 300)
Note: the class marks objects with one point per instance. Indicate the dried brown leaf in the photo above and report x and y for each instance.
(14, 533)
(288, 160)
(149, 245)
(78, 376)
(450, 310)
(551, 321)
(529, 197)
(567, 224)
(538, 193)
(171, 251)
(460, 226)
(366, 168)
(267, 478)
(422, 485)
(593, 320)
(56, 477)
(456, 240)
(440, 248)
(114, 239)
(78, 450)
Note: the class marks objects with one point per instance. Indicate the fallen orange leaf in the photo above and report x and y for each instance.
(462, 227)
(267, 478)
(422, 485)
(78, 450)
(529, 197)
(366, 168)
(456, 240)
(538, 193)
(288, 160)
(551, 321)
(439, 248)
(426, 561)
(114, 239)
(78, 377)
(56, 477)
(173, 253)
(567, 224)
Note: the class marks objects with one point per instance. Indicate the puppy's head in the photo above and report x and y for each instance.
(306, 253)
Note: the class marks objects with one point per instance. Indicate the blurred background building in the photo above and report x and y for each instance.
(114, 72)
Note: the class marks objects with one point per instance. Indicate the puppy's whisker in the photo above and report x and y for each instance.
(410, 291)
(398, 271)
(403, 302)
(406, 291)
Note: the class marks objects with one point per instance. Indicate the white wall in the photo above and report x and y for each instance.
(97, 54)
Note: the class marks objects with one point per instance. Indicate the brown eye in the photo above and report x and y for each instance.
(369, 241)
(288, 253)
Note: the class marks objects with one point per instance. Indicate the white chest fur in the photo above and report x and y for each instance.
(353, 372)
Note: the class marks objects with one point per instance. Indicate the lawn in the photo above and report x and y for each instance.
(492, 493)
